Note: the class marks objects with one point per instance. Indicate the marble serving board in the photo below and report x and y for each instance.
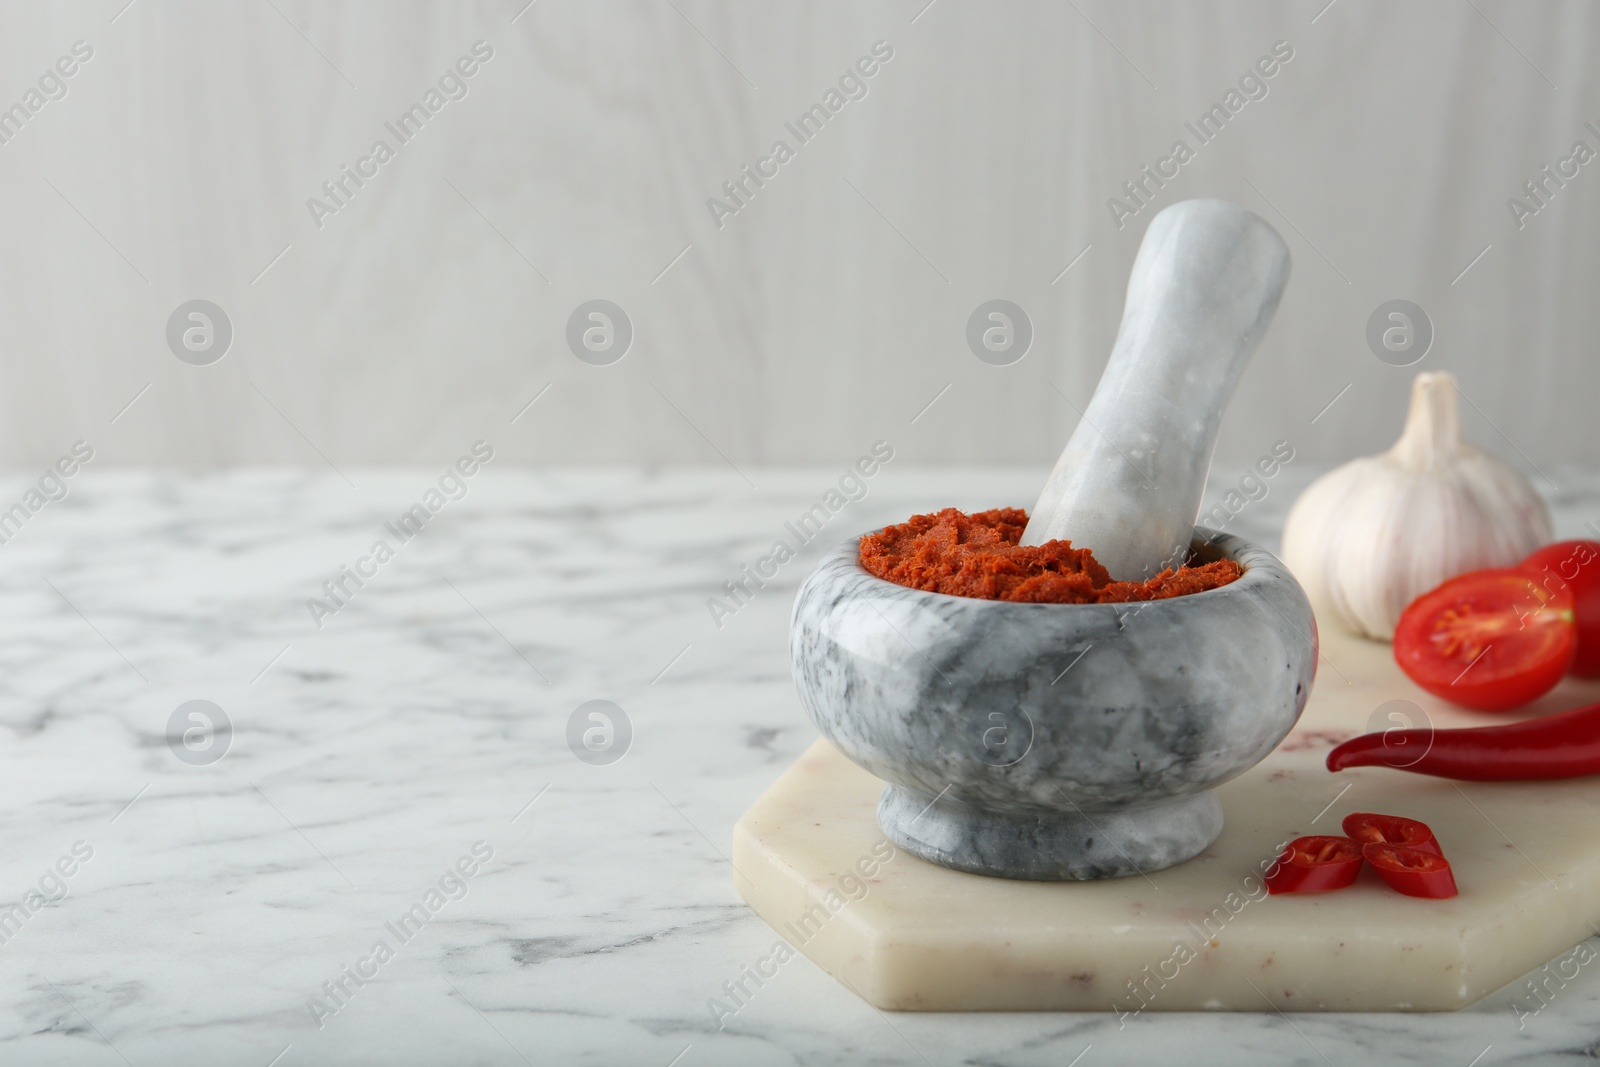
(909, 935)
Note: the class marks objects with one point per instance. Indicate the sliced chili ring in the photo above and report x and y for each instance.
(1370, 828)
(1314, 865)
(1412, 871)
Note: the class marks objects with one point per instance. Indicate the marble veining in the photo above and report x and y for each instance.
(1202, 292)
(1054, 741)
(369, 756)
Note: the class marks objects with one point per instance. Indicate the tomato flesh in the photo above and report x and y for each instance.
(1577, 564)
(1314, 865)
(1488, 640)
(1412, 871)
(1368, 828)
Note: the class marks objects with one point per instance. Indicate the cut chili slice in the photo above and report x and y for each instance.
(1412, 871)
(1314, 865)
(1369, 828)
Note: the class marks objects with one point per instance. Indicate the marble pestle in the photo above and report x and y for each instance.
(1203, 290)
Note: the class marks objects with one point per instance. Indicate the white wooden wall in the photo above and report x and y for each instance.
(830, 309)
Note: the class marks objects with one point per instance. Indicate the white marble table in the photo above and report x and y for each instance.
(369, 756)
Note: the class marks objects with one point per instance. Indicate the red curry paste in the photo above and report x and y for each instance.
(978, 555)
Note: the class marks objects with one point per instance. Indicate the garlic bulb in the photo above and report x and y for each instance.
(1373, 535)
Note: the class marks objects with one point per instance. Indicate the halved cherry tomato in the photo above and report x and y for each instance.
(1412, 871)
(1315, 864)
(1367, 828)
(1489, 640)
(1577, 563)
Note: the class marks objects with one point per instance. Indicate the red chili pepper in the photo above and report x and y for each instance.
(1315, 864)
(1564, 745)
(1412, 871)
(1367, 828)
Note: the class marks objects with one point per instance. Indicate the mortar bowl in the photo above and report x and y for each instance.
(1054, 741)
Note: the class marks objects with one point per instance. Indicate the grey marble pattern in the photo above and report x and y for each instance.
(1054, 741)
(1203, 290)
(381, 747)
(1063, 845)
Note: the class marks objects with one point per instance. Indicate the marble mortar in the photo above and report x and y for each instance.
(1054, 741)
